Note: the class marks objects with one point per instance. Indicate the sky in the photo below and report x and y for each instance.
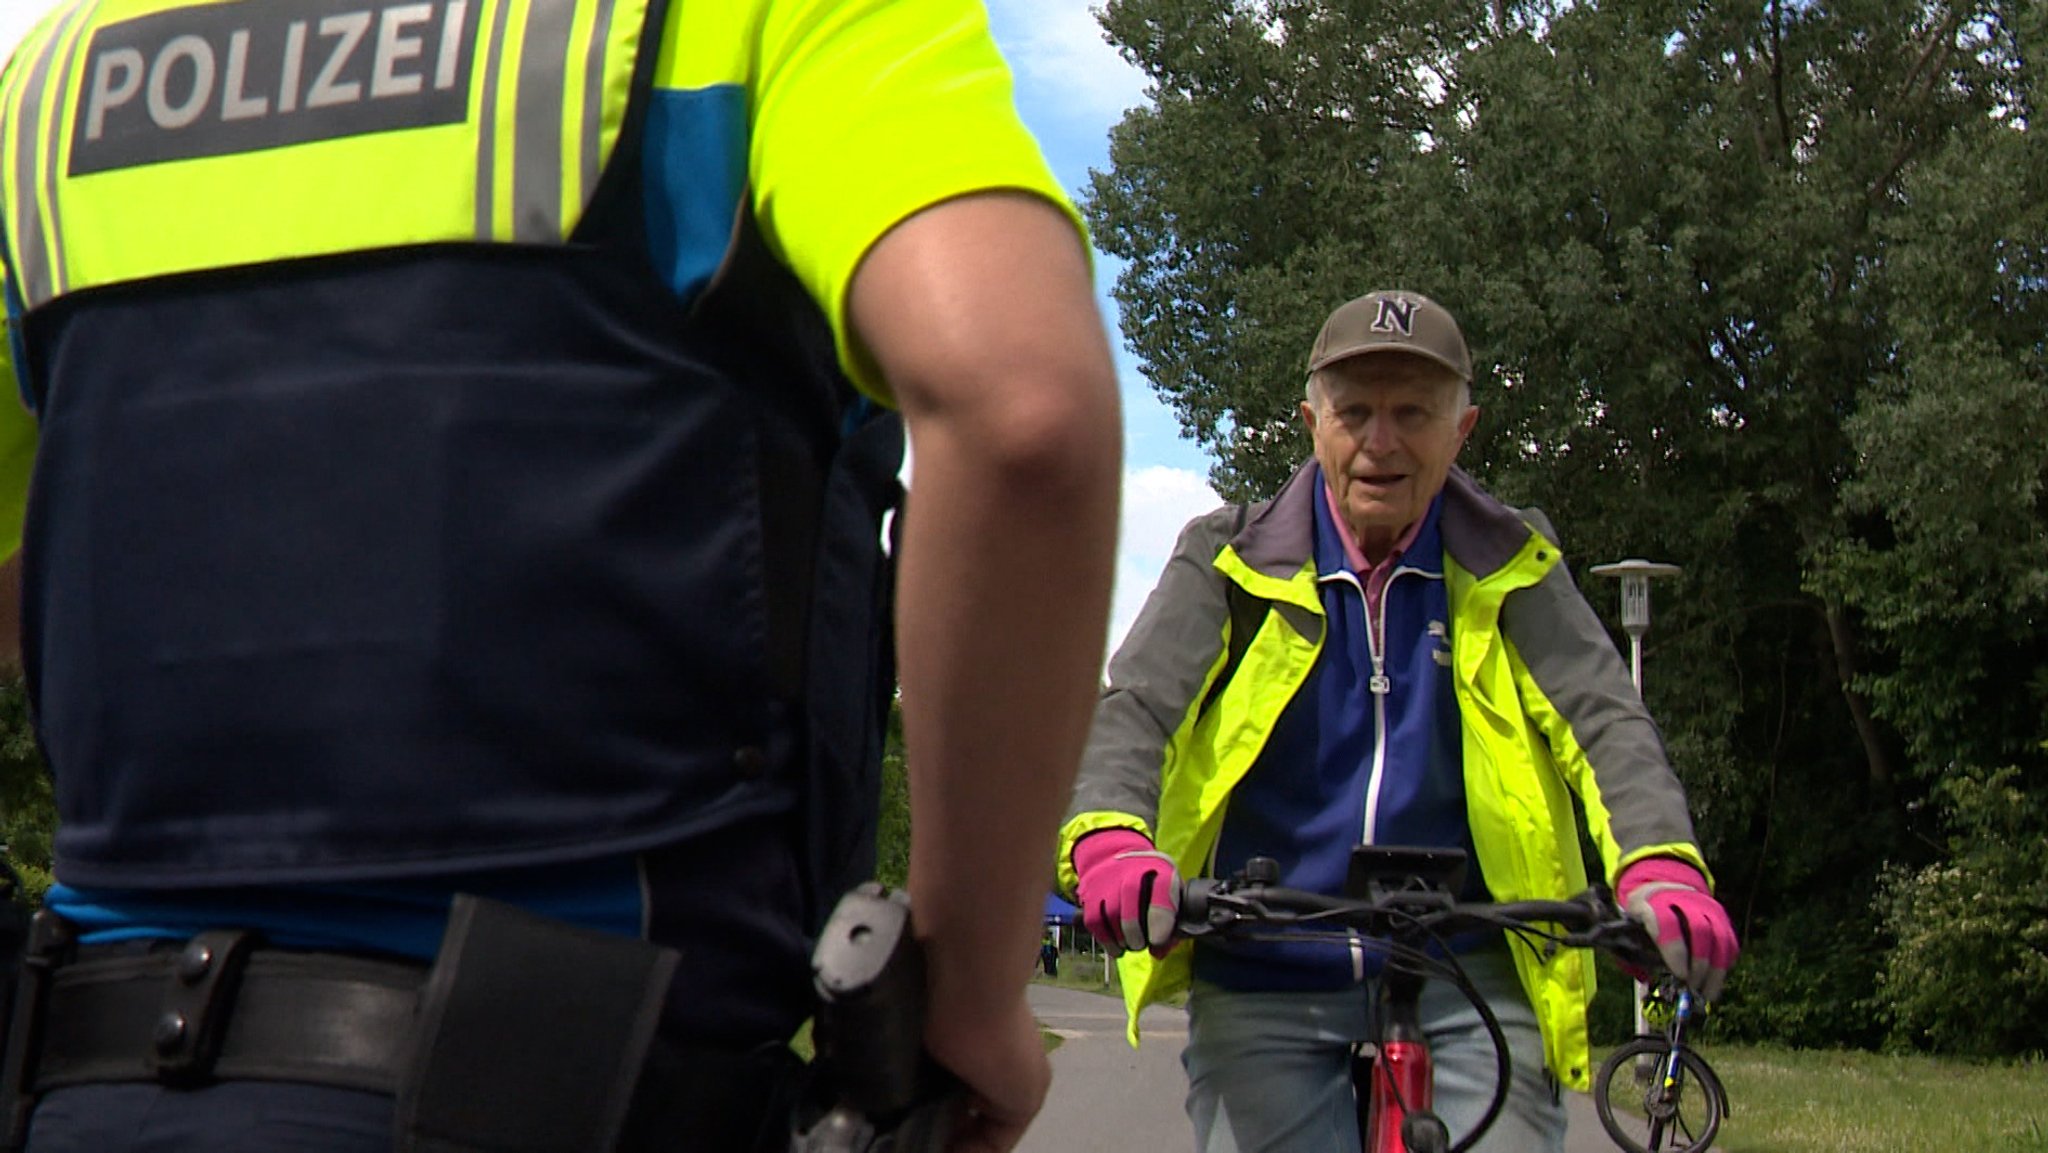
(1071, 87)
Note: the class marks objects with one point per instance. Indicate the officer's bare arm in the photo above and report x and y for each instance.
(981, 316)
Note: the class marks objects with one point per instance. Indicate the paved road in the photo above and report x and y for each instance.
(1106, 1096)
(1110, 1098)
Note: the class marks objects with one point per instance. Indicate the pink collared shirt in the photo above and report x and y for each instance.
(1372, 577)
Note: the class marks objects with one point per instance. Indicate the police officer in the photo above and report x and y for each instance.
(454, 591)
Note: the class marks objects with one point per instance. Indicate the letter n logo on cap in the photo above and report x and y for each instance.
(1395, 316)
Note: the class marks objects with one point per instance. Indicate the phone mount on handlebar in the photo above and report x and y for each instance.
(1379, 872)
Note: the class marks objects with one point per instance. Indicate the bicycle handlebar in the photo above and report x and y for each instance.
(1408, 912)
(1211, 907)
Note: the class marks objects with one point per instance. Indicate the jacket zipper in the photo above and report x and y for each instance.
(1379, 685)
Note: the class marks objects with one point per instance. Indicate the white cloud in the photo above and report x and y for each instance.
(1158, 502)
(1058, 52)
(16, 18)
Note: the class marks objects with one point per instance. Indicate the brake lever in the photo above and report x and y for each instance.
(1210, 906)
(1628, 943)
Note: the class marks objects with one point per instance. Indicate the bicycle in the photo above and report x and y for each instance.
(1406, 902)
(1668, 1089)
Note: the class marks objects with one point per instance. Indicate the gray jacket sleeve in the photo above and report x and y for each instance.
(1157, 676)
(1574, 664)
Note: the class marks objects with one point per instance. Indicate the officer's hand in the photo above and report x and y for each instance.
(1129, 891)
(1000, 1059)
(1692, 930)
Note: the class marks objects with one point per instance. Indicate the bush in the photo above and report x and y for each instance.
(1968, 970)
(28, 815)
(1611, 1019)
(1805, 979)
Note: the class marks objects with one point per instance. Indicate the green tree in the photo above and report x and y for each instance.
(892, 837)
(28, 816)
(1724, 266)
(1952, 568)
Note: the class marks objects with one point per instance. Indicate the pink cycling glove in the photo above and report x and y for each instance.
(1129, 891)
(1691, 928)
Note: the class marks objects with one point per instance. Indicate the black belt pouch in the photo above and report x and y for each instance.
(531, 1036)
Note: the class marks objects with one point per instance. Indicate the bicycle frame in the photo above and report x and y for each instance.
(1403, 1073)
(1670, 1069)
(1682, 1008)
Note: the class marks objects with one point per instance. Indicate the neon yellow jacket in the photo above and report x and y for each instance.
(1548, 711)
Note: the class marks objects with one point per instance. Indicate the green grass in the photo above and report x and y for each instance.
(1077, 972)
(1084, 973)
(1783, 1101)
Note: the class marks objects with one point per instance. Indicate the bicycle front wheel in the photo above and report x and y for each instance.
(1654, 1114)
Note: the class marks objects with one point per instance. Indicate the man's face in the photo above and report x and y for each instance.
(1386, 427)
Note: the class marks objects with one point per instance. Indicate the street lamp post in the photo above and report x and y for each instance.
(1636, 575)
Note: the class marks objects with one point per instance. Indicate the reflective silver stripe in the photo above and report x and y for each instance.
(66, 40)
(537, 152)
(35, 263)
(593, 95)
(487, 123)
(31, 255)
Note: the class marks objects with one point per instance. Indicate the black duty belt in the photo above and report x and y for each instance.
(587, 1075)
(218, 1008)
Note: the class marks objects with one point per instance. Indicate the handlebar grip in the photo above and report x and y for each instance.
(1192, 917)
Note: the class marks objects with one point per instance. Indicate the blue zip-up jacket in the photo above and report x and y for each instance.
(1381, 730)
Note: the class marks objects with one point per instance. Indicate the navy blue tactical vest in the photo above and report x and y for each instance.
(453, 557)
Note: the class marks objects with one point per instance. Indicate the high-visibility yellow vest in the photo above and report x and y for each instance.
(202, 136)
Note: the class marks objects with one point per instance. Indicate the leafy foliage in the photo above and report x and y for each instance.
(1970, 972)
(1756, 289)
(1808, 979)
(28, 814)
(892, 837)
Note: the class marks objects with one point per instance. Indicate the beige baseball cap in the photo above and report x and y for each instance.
(1391, 320)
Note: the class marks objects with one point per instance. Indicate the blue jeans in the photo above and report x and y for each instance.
(1270, 1072)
